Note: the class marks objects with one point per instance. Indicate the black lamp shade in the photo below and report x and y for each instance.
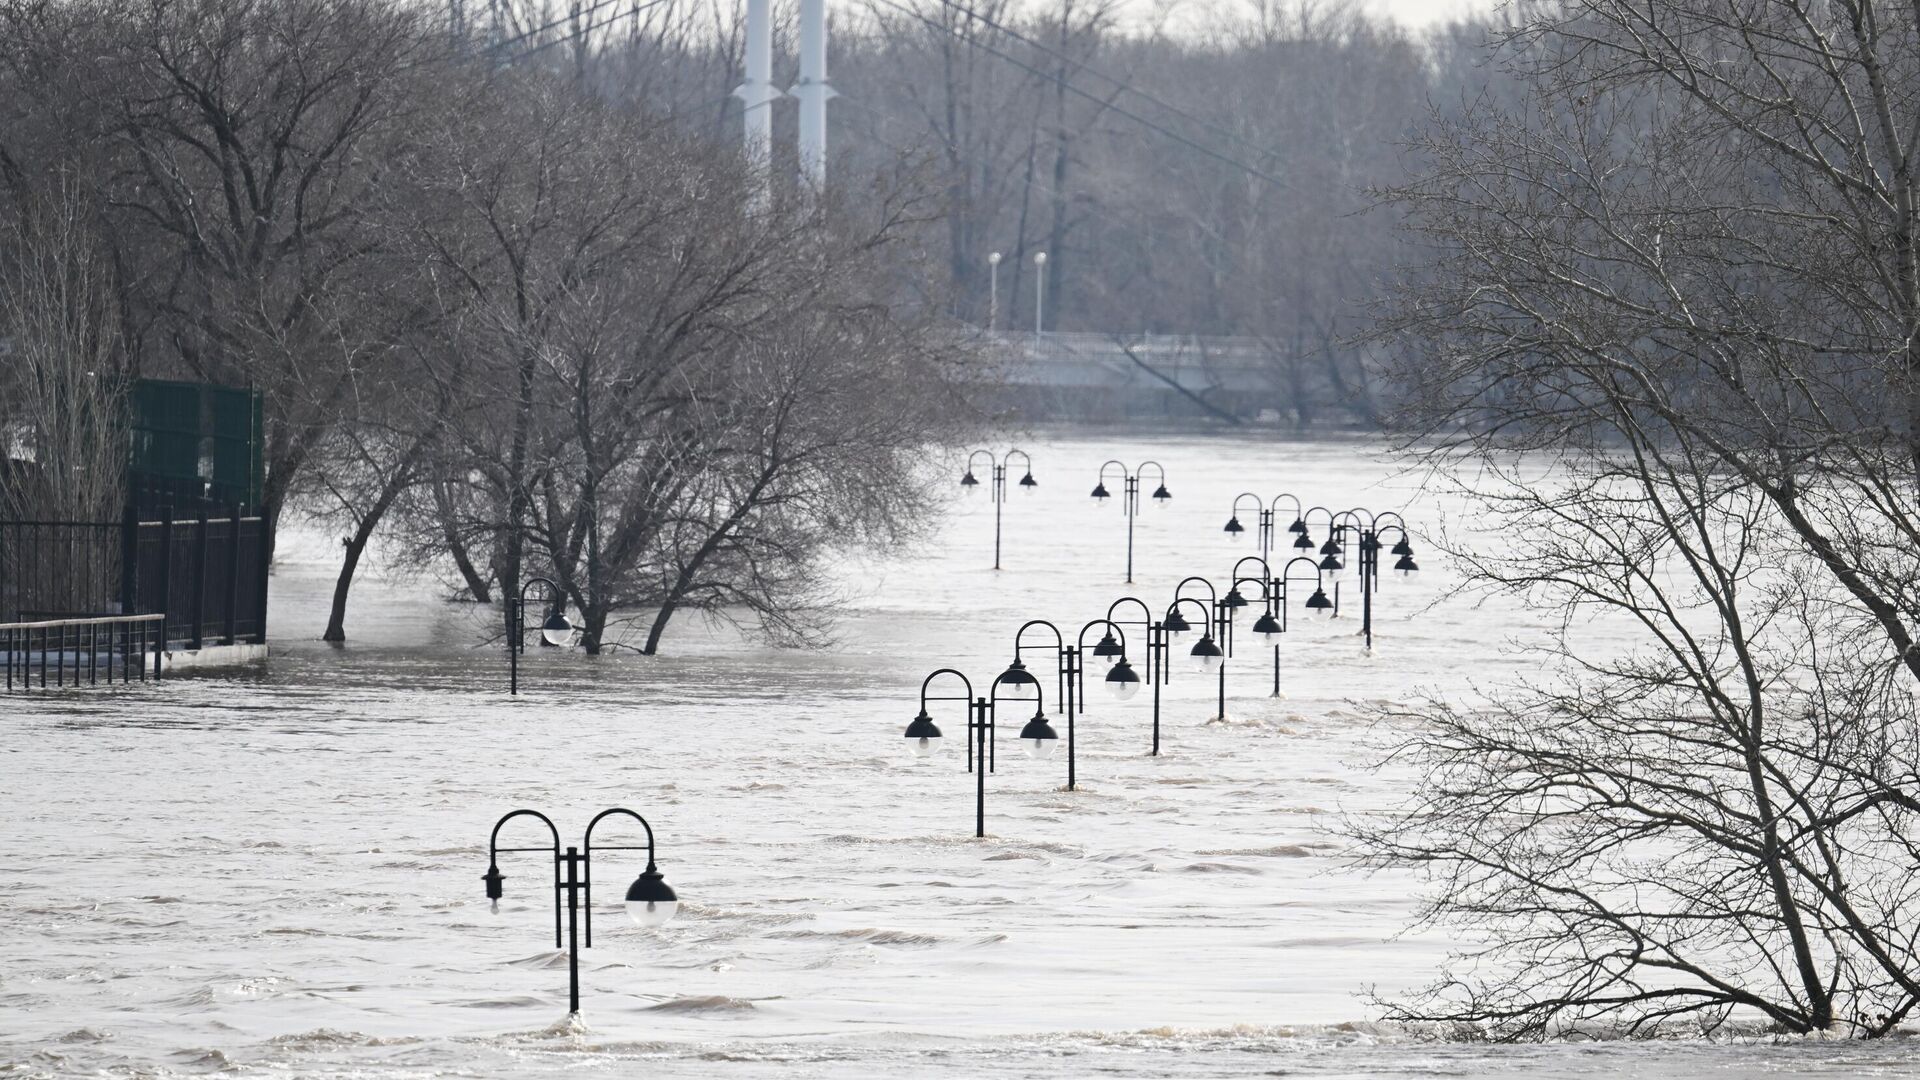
(1234, 526)
(1029, 481)
(1176, 622)
(1122, 672)
(1100, 490)
(493, 878)
(652, 888)
(1299, 526)
(1331, 562)
(1406, 564)
(1403, 548)
(968, 480)
(1017, 675)
(923, 727)
(1162, 493)
(1205, 646)
(1107, 646)
(1266, 624)
(1318, 601)
(1303, 542)
(1038, 728)
(1234, 599)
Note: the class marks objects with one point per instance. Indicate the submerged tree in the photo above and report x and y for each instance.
(1685, 268)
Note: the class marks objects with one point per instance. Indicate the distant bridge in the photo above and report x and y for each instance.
(1102, 376)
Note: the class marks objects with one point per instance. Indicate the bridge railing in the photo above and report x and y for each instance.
(81, 651)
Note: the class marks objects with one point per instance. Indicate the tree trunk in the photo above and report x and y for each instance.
(356, 544)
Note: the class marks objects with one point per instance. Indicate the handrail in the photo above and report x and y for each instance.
(157, 617)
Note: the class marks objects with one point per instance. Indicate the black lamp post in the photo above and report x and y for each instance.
(1209, 654)
(1130, 496)
(1267, 625)
(1038, 735)
(1371, 537)
(650, 900)
(1265, 521)
(1067, 675)
(555, 630)
(999, 476)
(1122, 676)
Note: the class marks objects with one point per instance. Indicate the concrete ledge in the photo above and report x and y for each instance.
(213, 657)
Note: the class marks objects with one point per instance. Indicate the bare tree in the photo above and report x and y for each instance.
(1684, 265)
(64, 427)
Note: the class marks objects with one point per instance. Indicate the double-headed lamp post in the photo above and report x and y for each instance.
(1372, 535)
(1122, 681)
(1130, 496)
(998, 472)
(1209, 654)
(554, 630)
(1267, 625)
(650, 900)
(1038, 736)
(1266, 519)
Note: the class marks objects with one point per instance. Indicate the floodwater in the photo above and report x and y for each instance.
(280, 875)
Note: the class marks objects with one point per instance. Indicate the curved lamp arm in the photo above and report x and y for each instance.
(493, 877)
(1146, 613)
(966, 699)
(1380, 522)
(586, 866)
(1266, 571)
(1025, 461)
(1159, 472)
(1298, 511)
(976, 454)
(1059, 646)
(1212, 593)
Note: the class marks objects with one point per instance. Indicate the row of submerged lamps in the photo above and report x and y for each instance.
(1213, 616)
(650, 900)
(997, 471)
(1359, 528)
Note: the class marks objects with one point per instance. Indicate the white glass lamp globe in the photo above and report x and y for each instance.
(922, 748)
(1039, 749)
(650, 900)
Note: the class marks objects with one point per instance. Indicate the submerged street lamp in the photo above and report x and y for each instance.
(1130, 496)
(1122, 681)
(650, 900)
(1265, 520)
(554, 629)
(1371, 537)
(1209, 654)
(998, 473)
(1037, 737)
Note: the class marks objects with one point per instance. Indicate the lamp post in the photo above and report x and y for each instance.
(1038, 735)
(1369, 560)
(999, 476)
(555, 630)
(1266, 520)
(1209, 654)
(993, 291)
(1067, 674)
(650, 900)
(1039, 295)
(1267, 625)
(1122, 676)
(1130, 496)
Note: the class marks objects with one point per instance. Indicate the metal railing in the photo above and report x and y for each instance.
(78, 652)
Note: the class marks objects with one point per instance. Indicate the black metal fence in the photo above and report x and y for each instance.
(206, 574)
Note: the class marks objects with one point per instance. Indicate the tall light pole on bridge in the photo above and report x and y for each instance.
(1039, 294)
(993, 291)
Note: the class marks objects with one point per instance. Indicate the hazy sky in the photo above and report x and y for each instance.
(1424, 12)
